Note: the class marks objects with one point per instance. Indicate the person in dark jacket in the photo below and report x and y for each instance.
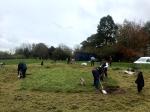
(105, 66)
(68, 60)
(140, 81)
(92, 61)
(96, 77)
(42, 63)
(22, 70)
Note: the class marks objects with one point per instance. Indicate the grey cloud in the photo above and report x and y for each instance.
(61, 21)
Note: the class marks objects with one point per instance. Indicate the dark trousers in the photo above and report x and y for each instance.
(96, 78)
(105, 72)
(102, 76)
(139, 88)
(24, 73)
(92, 63)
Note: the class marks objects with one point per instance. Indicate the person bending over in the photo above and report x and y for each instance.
(22, 70)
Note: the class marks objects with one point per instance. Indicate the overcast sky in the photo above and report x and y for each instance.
(62, 21)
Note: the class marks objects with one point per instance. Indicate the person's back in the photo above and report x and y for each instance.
(101, 72)
(22, 69)
(140, 81)
(92, 61)
(96, 78)
(105, 66)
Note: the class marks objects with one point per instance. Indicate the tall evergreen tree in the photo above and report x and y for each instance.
(107, 30)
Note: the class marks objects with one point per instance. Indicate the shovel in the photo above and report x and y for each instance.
(102, 89)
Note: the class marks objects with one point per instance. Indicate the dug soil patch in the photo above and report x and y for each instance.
(114, 90)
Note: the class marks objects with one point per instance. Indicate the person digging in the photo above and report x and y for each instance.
(96, 77)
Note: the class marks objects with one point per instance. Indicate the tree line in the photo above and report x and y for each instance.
(38, 51)
(42, 51)
(125, 41)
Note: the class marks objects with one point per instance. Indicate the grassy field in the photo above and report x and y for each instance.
(55, 87)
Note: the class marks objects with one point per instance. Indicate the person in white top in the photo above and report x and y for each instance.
(92, 61)
(105, 66)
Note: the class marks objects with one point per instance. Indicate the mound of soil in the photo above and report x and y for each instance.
(114, 90)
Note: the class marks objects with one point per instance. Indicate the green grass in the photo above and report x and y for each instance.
(16, 61)
(58, 78)
(55, 87)
(130, 65)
